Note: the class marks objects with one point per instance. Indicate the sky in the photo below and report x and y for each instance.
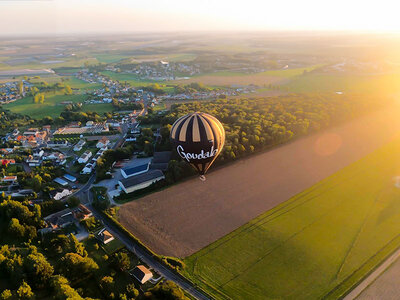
(37, 17)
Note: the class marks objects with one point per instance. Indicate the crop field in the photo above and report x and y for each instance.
(176, 221)
(237, 78)
(345, 83)
(326, 236)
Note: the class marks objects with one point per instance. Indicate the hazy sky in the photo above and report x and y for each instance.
(71, 16)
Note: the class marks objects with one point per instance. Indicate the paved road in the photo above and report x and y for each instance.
(358, 290)
(149, 260)
(84, 195)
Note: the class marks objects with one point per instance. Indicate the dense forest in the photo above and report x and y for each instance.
(255, 124)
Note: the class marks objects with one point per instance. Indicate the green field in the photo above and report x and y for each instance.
(345, 82)
(317, 244)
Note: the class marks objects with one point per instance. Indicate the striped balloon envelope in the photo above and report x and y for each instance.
(198, 138)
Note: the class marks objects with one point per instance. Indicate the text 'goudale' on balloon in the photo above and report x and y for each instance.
(198, 139)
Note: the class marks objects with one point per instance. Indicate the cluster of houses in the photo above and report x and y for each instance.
(39, 156)
(89, 161)
(158, 71)
(9, 91)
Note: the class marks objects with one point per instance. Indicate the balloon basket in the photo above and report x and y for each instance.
(202, 178)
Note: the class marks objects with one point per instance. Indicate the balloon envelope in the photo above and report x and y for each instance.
(198, 138)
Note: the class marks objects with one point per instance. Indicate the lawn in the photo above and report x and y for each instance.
(51, 107)
(317, 244)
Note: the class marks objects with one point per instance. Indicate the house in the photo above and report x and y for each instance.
(60, 193)
(103, 142)
(60, 181)
(6, 162)
(60, 219)
(85, 157)
(82, 212)
(87, 169)
(9, 179)
(79, 145)
(105, 236)
(131, 184)
(142, 274)
(133, 171)
(160, 160)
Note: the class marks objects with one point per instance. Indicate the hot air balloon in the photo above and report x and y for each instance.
(198, 138)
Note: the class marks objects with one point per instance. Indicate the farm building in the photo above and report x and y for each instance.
(160, 160)
(142, 274)
(134, 171)
(131, 184)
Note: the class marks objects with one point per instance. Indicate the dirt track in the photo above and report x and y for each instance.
(183, 219)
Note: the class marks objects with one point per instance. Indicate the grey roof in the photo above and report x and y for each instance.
(138, 179)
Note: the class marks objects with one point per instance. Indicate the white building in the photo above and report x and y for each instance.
(85, 157)
(58, 194)
(103, 142)
(79, 145)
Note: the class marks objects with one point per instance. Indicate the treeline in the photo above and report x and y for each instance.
(191, 88)
(117, 105)
(10, 120)
(255, 124)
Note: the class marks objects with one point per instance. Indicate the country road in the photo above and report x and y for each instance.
(149, 260)
(85, 195)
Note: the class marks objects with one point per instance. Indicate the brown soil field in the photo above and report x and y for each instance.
(184, 218)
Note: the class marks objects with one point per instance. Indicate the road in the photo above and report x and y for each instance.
(149, 260)
(372, 277)
(84, 195)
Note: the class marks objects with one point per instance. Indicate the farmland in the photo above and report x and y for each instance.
(345, 82)
(51, 107)
(237, 78)
(173, 223)
(327, 236)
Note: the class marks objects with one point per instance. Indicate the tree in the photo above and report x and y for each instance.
(25, 291)
(73, 202)
(68, 90)
(75, 266)
(38, 269)
(167, 291)
(6, 295)
(121, 261)
(107, 285)
(132, 291)
(62, 289)
(16, 229)
(21, 88)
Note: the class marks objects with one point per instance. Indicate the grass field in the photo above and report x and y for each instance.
(51, 107)
(345, 82)
(227, 78)
(325, 238)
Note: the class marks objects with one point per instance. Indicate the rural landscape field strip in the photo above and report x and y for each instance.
(345, 223)
(177, 220)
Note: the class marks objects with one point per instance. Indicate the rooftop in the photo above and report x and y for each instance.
(135, 180)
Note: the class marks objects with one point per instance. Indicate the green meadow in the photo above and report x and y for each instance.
(315, 82)
(315, 245)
